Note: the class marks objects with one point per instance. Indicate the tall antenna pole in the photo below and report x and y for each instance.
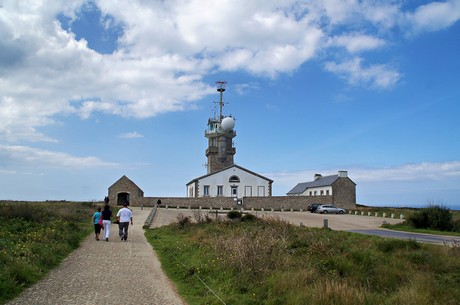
(221, 88)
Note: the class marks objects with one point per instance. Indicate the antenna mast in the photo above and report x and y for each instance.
(221, 88)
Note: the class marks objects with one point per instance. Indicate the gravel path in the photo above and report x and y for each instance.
(113, 272)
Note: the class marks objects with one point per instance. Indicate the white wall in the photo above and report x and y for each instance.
(318, 191)
(246, 180)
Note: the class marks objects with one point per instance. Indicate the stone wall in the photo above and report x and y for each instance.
(277, 203)
(188, 202)
(295, 203)
(344, 193)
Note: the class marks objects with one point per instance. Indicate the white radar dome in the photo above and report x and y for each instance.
(228, 123)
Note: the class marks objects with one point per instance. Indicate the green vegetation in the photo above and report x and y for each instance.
(271, 262)
(434, 219)
(35, 237)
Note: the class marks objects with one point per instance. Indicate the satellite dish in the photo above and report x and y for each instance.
(228, 123)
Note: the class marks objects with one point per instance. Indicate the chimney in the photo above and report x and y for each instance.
(343, 174)
(317, 176)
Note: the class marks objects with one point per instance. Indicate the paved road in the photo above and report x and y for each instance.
(426, 238)
(113, 272)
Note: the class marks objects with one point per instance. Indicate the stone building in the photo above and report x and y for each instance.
(340, 188)
(124, 191)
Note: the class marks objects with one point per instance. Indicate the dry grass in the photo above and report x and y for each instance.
(271, 262)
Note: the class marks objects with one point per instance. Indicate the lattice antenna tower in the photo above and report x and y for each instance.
(221, 88)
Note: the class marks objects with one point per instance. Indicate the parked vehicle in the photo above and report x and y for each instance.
(326, 208)
(313, 206)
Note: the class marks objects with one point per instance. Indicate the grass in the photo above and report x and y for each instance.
(271, 262)
(35, 237)
(408, 228)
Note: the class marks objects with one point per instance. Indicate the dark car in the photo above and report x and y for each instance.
(312, 207)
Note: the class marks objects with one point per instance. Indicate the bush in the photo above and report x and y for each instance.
(456, 225)
(433, 217)
(233, 215)
(183, 220)
(248, 217)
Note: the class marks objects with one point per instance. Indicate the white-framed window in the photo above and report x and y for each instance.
(206, 190)
(261, 191)
(322, 192)
(220, 190)
(234, 179)
(248, 191)
(327, 192)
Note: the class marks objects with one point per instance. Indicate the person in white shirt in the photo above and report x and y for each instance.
(125, 216)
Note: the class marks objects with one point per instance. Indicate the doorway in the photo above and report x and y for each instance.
(122, 198)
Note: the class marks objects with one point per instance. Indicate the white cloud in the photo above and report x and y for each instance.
(167, 47)
(441, 173)
(242, 89)
(24, 156)
(411, 172)
(131, 135)
(354, 43)
(434, 16)
(376, 76)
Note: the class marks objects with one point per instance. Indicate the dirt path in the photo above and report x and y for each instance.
(113, 272)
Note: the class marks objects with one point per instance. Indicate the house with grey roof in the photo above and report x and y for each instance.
(340, 188)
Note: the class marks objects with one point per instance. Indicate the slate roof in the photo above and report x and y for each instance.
(303, 186)
(234, 165)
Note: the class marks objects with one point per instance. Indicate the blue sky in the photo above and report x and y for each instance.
(93, 90)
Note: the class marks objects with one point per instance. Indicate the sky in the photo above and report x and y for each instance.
(94, 90)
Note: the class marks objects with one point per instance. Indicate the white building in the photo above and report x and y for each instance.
(233, 181)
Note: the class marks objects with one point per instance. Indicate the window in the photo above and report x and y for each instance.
(248, 191)
(234, 179)
(220, 190)
(206, 190)
(261, 191)
(322, 193)
(311, 193)
(316, 193)
(327, 192)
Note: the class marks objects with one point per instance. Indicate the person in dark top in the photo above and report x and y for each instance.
(106, 220)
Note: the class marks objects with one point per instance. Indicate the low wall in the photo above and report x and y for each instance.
(188, 202)
(295, 203)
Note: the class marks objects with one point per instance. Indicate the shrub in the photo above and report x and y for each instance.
(456, 225)
(248, 217)
(233, 215)
(433, 217)
(183, 220)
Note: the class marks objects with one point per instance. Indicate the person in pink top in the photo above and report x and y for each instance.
(125, 216)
